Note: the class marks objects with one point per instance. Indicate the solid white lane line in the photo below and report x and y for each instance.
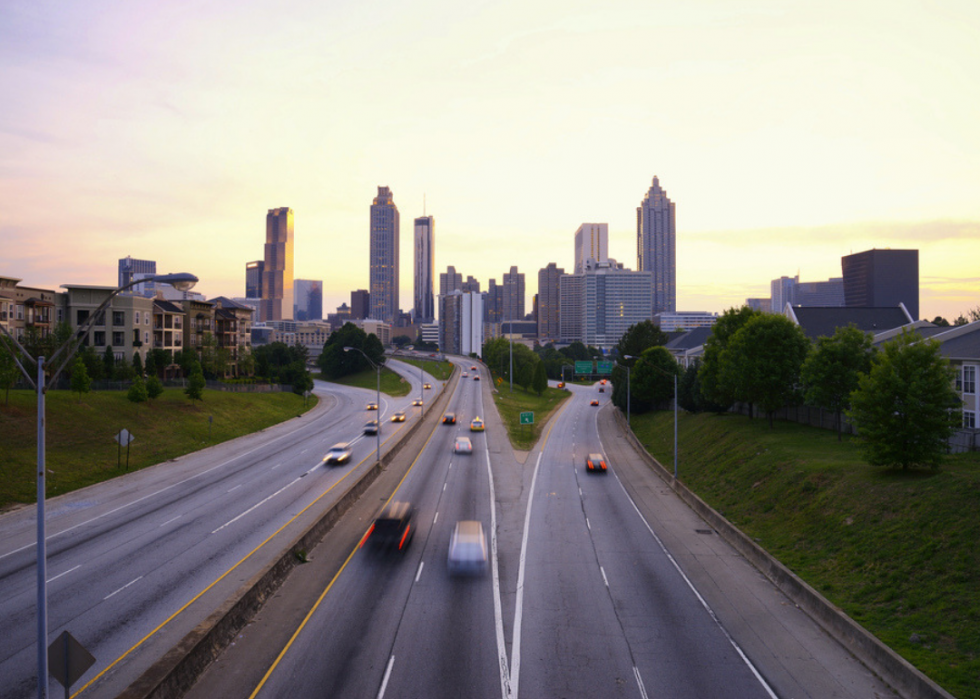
(444, 487)
(639, 683)
(419, 574)
(498, 614)
(232, 521)
(235, 488)
(604, 578)
(384, 682)
(436, 518)
(172, 519)
(65, 573)
(588, 524)
(122, 588)
(515, 656)
(697, 594)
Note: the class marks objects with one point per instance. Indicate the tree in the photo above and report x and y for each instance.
(652, 379)
(154, 387)
(540, 382)
(137, 364)
(830, 374)
(689, 389)
(109, 362)
(80, 380)
(762, 362)
(714, 347)
(246, 361)
(209, 356)
(940, 322)
(640, 337)
(906, 408)
(93, 363)
(334, 363)
(195, 384)
(137, 391)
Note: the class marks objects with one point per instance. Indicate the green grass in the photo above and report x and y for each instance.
(392, 384)
(440, 370)
(511, 405)
(898, 552)
(79, 444)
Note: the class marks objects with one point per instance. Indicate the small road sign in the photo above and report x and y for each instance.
(527, 418)
(68, 660)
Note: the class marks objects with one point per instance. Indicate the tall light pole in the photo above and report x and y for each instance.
(377, 452)
(182, 282)
(628, 393)
(511, 339)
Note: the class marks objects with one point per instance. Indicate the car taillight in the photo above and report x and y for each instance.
(366, 535)
(404, 536)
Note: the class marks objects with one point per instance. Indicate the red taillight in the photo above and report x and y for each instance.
(366, 535)
(404, 536)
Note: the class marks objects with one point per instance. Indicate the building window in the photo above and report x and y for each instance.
(969, 379)
(969, 420)
(136, 318)
(98, 338)
(118, 318)
(117, 339)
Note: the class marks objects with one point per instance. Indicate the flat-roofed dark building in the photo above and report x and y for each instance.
(360, 304)
(882, 278)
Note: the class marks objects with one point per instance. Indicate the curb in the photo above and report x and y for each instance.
(174, 673)
(867, 648)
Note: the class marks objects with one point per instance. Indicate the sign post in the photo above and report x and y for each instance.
(124, 438)
(68, 660)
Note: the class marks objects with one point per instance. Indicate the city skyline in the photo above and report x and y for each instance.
(791, 136)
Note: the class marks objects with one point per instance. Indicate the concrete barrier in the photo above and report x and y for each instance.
(179, 668)
(904, 677)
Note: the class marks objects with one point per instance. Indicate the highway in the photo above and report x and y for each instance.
(135, 563)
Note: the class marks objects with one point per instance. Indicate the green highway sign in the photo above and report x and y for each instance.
(604, 367)
(527, 418)
(583, 367)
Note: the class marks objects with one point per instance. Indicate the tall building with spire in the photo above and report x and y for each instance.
(385, 232)
(656, 246)
(277, 268)
(425, 236)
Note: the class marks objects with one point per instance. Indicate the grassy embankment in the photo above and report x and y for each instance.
(898, 552)
(440, 370)
(511, 405)
(80, 449)
(392, 383)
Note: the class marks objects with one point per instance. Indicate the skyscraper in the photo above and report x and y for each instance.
(277, 272)
(880, 278)
(549, 302)
(513, 295)
(131, 270)
(450, 281)
(253, 279)
(309, 299)
(656, 246)
(360, 304)
(385, 232)
(591, 246)
(425, 234)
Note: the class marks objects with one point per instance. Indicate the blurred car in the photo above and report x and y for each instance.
(392, 528)
(473, 368)
(468, 549)
(417, 402)
(477, 425)
(476, 377)
(465, 374)
(338, 453)
(561, 384)
(463, 446)
(371, 406)
(427, 386)
(595, 401)
(399, 416)
(602, 389)
(449, 419)
(371, 427)
(595, 462)
(602, 382)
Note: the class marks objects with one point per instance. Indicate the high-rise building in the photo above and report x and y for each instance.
(309, 299)
(494, 303)
(450, 281)
(656, 246)
(360, 304)
(277, 271)
(513, 285)
(425, 233)
(880, 278)
(599, 306)
(471, 285)
(461, 323)
(549, 303)
(591, 246)
(385, 233)
(253, 279)
(131, 270)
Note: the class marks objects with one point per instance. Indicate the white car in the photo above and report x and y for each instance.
(463, 446)
(468, 549)
(338, 454)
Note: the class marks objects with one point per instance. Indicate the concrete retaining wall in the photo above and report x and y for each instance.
(908, 681)
(179, 669)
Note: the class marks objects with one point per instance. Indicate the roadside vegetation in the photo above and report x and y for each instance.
(80, 446)
(392, 383)
(896, 550)
(440, 370)
(511, 405)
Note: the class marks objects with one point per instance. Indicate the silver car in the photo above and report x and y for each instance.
(468, 549)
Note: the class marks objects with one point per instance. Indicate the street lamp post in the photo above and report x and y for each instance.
(377, 452)
(511, 339)
(181, 281)
(628, 393)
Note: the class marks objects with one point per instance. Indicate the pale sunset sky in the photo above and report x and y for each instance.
(788, 134)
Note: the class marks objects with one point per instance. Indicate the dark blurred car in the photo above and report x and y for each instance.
(595, 462)
(417, 402)
(449, 419)
(463, 446)
(595, 401)
(371, 427)
(399, 416)
(427, 385)
(392, 528)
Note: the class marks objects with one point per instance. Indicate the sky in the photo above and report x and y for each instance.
(788, 134)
